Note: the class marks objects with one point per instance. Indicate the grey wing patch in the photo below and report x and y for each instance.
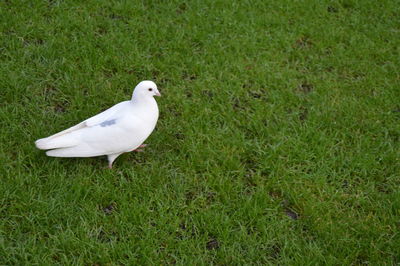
(108, 123)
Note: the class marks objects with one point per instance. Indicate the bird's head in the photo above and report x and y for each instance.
(146, 88)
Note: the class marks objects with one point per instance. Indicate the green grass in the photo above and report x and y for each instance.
(277, 143)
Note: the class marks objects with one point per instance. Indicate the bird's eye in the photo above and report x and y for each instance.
(150, 89)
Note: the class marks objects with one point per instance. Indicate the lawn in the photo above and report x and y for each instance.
(277, 143)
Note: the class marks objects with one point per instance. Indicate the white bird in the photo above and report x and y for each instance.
(121, 128)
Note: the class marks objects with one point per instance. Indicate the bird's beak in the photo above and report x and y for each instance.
(158, 94)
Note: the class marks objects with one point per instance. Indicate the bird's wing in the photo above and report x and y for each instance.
(109, 137)
(109, 114)
(54, 141)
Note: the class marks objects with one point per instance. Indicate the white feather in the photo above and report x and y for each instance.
(119, 129)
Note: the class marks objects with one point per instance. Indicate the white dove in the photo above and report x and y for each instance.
(121, 128)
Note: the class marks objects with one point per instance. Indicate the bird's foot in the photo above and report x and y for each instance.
(140, 148)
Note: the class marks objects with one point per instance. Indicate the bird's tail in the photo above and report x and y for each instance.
(56, 142)
(63, 139)
(80, 150)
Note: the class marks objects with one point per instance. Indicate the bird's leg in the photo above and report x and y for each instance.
(139, 149)
(110, 164)
(111, 158)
